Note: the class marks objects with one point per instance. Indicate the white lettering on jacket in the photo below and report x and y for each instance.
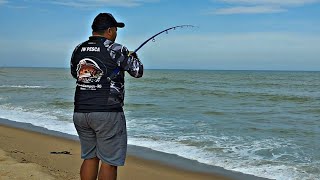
(91, 49)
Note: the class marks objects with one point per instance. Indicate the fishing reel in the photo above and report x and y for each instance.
(133, 54)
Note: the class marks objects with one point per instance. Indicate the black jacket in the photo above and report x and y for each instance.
(99, 65)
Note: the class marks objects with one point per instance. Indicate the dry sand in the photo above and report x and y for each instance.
(27, 155)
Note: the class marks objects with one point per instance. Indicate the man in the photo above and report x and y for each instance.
(99, 64)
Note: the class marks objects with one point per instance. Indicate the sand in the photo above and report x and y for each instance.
(27, 155)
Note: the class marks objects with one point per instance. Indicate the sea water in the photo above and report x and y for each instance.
(265, 123)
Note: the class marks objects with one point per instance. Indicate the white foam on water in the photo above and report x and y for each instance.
(41, 119)
(22, 86)
(235, 156)
(278, 172)
(235, 160)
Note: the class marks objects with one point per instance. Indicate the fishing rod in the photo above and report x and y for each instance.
(145, 42)
(166, 30)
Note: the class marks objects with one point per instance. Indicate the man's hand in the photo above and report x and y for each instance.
(131, 53)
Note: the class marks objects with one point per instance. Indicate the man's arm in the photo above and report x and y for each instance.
(73, 65)
(134, 67)
(127, 62)
(73, 68)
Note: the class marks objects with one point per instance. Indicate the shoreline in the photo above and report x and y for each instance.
(141, 161)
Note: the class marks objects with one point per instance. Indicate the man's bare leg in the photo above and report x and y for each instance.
(89, 169)
(107, 172)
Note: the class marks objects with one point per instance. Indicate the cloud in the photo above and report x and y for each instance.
(100, 3)
(249, 10)
(270, 2)
(3, 2)
(258, 6)
(254, 50)
(18, 7)
(270, 50)
(12, 5)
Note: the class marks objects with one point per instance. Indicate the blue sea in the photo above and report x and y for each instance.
(264, 123)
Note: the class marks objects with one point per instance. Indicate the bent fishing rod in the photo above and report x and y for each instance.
(166, 30)
(145, 42)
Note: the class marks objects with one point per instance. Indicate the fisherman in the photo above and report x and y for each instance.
(99, 66)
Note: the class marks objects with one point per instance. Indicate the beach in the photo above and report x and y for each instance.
(31, 155)
(261, 123)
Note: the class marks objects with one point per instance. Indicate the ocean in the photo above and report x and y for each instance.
(264, 123)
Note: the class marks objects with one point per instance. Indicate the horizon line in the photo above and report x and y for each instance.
(287, 70)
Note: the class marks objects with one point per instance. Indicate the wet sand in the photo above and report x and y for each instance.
(28, 155)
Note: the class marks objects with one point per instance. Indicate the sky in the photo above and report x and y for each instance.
(229, 34)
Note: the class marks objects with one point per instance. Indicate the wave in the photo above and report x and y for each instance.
(257, 157)
(62, 104)
(38, 118)
(260, 96)
(22, 86)
(136, 105)
(290, 98)
(170, 80)
(180, 90)
(213, 113)
(239, 158)
(155, 80)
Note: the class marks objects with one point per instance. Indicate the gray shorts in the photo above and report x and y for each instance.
(102, 135)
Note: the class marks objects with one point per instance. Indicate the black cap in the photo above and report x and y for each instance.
(104, 21)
